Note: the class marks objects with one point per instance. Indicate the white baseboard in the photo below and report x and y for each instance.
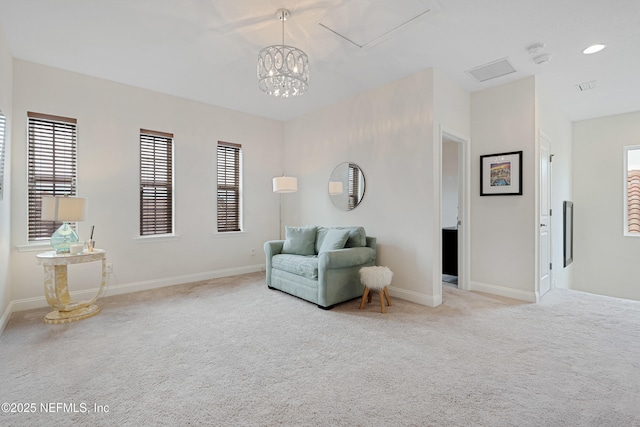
(6, 316)
(503, 292)
(428, 300)
(125, 288)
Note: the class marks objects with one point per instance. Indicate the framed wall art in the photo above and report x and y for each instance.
(501, 174)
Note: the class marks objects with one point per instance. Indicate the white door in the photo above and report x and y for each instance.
(545, 215)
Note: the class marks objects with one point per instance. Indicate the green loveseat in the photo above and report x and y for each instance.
(320, 264)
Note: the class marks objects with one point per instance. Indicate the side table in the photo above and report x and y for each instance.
(56, 288)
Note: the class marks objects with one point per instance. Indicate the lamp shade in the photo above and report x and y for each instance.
(335, 188)
(285, 184)
(63, 208)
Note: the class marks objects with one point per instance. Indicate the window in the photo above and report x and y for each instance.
(156, 183)
(52, 167)
(632, 191)
(229, 187)
(2, 144)
(356, 187)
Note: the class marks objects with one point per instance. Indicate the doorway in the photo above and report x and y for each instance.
(450, 192)
(454, 211)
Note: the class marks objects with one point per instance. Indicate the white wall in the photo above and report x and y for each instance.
(503, 227)
(605, 261)
(110, 116)
(388, 133)
(450, 182)
(558, 130)
(6, 90)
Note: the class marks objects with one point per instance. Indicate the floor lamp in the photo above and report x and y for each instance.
(284, 184)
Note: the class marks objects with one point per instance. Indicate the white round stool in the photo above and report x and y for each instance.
(376, 278)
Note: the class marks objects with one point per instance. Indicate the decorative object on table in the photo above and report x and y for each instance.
(501, 174)
(91, 243)
(376, 278)
(283, 71)
(284, 184)
(347, 176)
(567, 219)
(65, 209)
(56, 287)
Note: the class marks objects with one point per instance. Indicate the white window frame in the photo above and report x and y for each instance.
(625, 183)
(220, 187)
(64, 173)
(172, 233)
(3, 133)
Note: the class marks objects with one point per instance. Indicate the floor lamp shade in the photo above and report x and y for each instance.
(63, 209)
(335, 188)
(285, 184)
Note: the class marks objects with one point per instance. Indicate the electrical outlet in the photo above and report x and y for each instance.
(252, 251)
(109, 268)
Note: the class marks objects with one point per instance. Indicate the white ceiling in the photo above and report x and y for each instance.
(206, 50)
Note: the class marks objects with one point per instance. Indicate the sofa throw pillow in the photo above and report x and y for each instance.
(334, 239)
(357, 237)
(299, 240)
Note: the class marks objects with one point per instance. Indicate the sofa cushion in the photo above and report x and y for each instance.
(357, 237)
(334, 239)
(300, 240)
(306, 266)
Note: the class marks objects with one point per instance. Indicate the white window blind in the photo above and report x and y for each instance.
(2, 149)
(229, 187)
(52, 169)
(156, 183)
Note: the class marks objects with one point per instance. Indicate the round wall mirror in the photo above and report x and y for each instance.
(346, 186)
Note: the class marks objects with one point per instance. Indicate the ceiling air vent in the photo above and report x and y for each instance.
(494, 69)
(587, 86)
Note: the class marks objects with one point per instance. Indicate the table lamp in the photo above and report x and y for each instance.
(63, 209)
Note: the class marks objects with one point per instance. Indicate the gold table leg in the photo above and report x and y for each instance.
(56, 290)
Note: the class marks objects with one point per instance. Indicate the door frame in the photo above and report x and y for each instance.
(464, 210)
(538, 201)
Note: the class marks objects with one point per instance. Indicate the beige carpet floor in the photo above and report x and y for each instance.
(230, 352)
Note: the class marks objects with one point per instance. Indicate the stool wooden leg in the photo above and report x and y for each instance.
(364, 297)
(369, 297)
(381, 296)
(386, 294)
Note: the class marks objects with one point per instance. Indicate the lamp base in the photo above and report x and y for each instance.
(63, 238)
(58, 317)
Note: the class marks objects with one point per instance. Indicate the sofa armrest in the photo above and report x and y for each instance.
(348, 257)
(273, 247)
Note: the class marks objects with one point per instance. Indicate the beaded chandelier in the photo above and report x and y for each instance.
(283, 71)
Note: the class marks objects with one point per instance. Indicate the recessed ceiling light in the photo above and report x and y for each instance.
(593, 49)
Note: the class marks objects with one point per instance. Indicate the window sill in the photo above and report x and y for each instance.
(156, 238)
(225, 234)
(35, 247)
